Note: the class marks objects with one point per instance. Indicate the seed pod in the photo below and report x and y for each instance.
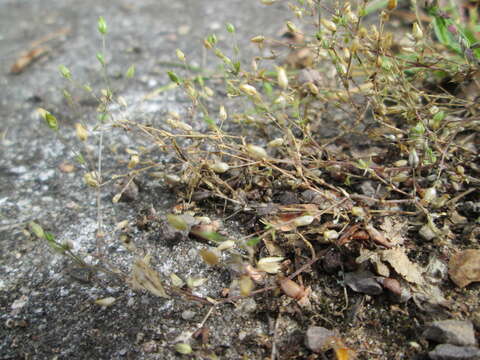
(134, 160)
(183, 348)
(256, 151)
(392, 5)
(291, 27)
(330, 235)
(313, 88)
(91, 179)
(220, 167)
(248, 89)
(105, 301)
(358, 211)
(82, 133)
(413, 158)
(270, 265)
(329, 25)
(282, 78)
(246, 285)
(259, 39)
(222, 113)
(172, 179)
(180, 55)
(417, 32)
(225, 245)
(430, 195)
(303, 220)
(276, 142)
(291, 288)
(37, 230)
(210, 256)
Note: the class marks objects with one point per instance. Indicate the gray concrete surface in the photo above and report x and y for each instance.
(46, 304)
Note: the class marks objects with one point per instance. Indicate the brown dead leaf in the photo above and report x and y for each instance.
(378, 236)
(27, 59)
(464, 267)
(395, 229)
(400, 262)
(145, 278)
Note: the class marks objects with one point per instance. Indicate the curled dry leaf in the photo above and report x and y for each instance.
(464, 267)
(145, 278)
(400, 262)
(27, 58)
(378, 236)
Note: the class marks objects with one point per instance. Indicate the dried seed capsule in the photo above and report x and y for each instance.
(303, 220)
(220, 167)
(282, 78)
(81, 131)
(291, 288)
(257, 151)
(329, 25)
(248, 89)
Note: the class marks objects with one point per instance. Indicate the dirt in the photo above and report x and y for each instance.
(47, 303)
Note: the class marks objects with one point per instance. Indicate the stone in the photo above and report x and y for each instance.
(363, 282)
(455, 332)
(319, 339)
(452, 352)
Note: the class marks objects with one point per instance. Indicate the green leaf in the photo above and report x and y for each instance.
(200, 80)
(80, 159)
(102, 25)
(236, 67)
(101, 59)
(253, 241)
(209, 120)
(130, 72)
(211, 235)
(268, 89)
(49, 236)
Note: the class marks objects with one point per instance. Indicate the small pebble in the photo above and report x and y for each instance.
(452, 352)
(455, 332)
(188, 314)
(318, 339)
(363, 282)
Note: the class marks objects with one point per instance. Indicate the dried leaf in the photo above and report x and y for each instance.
(145, 278)
(395, 229)
(374, 258)
(464, 267)
(27, 58)
(378, 236)
(400, 262)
